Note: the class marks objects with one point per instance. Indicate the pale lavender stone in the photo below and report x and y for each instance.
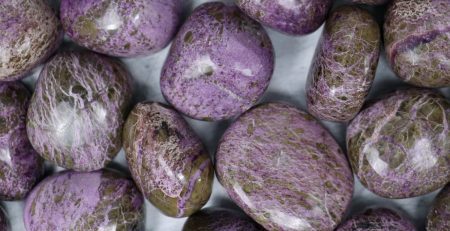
(377, 220)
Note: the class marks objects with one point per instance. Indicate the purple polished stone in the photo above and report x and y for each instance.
(345, 64)
(377, 220)
(417, 35)
(20, 165)
(121, 28)
(439, 216)
(4, 224)
(398, 146)
(77, 111)
(284, 169)
(167, 159)
(219, 65)
(288, 16)
(99, 200)
(371, 2)
(30, 34)
(219, 219)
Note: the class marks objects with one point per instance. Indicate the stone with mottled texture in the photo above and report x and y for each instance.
(284, 169)
(439, 216)
(121, 28)
(291, 17)
(4, 224)
(30, 34)
(398, 146)
(219, 219)
(345, 63)
(371, 2)
(219, 65)
(417, 40)
(377, 220)
(167, 159)
(99, 200)
(78, 109)
(20, 165)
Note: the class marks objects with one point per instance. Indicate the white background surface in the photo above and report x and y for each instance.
(293, 58)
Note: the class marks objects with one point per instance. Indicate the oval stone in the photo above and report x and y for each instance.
(398, 146)
(345, 64)
(20, 165)
(121, 28)
(31, 32)
(284, 169)
(439, 215)
(167, 159)
(377, 219)
(4, 223)
(99, 200)
(77, 111)
(291, 17)
(416, 36)
(219, 65)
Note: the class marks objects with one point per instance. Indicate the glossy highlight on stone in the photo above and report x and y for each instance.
(439, 216)
(31, 32)
(284, 169)
(417, 40)
(377, 220)
(398, 146)
(219, 65)
(167, 159)
(344, 67)
(291, 17)
(220, 219)
(78, 109)
(121, 28)
(4, 224)
(371, 2)
(99, 200)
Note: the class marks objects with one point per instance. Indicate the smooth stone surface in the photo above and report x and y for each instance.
(417, 40)
(77, 111)
(167, 159)
(439, 216)
(220, 219)
(219, 65)
(4, 224)
(344, 67)
(291, 17)
(31, 32)
(121, 28)
(371, 2)
(377, 220)
(284, 169)
(20, 165)
(398, 146)
(99, 200)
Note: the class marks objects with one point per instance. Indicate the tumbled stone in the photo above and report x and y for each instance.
(377, 220)
(439, 215)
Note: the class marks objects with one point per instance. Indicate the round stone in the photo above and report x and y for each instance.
(439, 216)
(345, 65)
(284, 169)
(121, 28)
(220, 63)
(377, 220)
(78, 109)
(31, 32)
(4, 224)
(167, 159)
(417, 35)
(291, 17)
(398, 146)
(99, 200)
(20, 165)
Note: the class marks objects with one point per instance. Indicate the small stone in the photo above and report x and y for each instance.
(377, 220)
(439, 216)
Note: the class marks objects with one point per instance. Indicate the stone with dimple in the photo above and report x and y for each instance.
(398, 146)
(219, 65)
(377, 220)
(78, 109)
(220, 219)
(121, 28)
(99, 200)
(439, 215)
(167, 159)
(284, 169)
(417, 40)
(291, 17)
(30, 34)
(20, 165)
(4, 224)
(371, 2)
(345, 64)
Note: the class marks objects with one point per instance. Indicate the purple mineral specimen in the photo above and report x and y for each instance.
(439, 216)
(377, 220)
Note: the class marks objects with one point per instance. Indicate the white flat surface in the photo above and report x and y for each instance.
(293, 58)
